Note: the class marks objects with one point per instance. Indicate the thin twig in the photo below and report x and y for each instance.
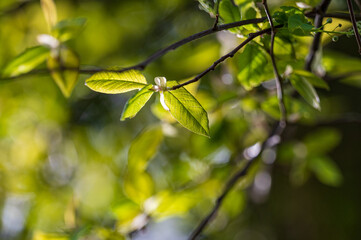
(320, 12)
(223, 58)
(272, 140)
(343, 16)
(354, 25)
(278, 79)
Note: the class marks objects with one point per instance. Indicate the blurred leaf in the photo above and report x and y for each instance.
(64, 69)
(135, 104)
(171, 204)
(229, 12)
(113, 82)
(306, 90)
(234, 203)
(38, 235)
(322, 141)
(125, 212)
(252, 62)
(187, 110)
(312, 78)
(144, 147)
(68, 29)
(326, 170)
(49, 10)
(26, 61)
(138, 186)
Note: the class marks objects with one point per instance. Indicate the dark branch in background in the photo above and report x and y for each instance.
(272, 141)
(354, 25)
(358, 3)
(229, 55)
(278, 79)
(320, 11)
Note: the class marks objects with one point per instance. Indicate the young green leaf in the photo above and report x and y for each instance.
(26, 61)
(64, 70)
(144, 147)
(49, 10)
(298, 24)
(138, 186)
(252, 62)
(68, 29)
(186, 110)
(306, 90)
(135, 104)
(312, 78)
(229, 12)
(113, 82)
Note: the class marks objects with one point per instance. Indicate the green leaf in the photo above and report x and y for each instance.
(322, 141)
(186, 110)
(26, 61)
(49, 10)
(113, 82)
(326, 171)
(298, 25)
(252, 62)
(64, 70)
(135, 104)
(306, 90)
(68, 29)
(143, 148)
(312, 78)
(229, 12)
(138, 186)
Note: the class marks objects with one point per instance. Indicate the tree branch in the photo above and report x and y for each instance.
(320, 11)
(354, 25)
(278, 79)
(272, 141)
(223, 58)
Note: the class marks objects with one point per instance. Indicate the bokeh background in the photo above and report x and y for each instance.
(63, 161)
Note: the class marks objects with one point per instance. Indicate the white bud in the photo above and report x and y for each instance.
(48, 41)
(161, 82)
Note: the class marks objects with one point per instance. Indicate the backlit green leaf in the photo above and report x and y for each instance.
(312, 78)
(49, 10)
(229, 12)
(306, 90)
(186, 110)
(64, 70)
(143, 148)
(252, 63)
(26, 61)
(67, 29)
(138, 186)
(297, 24)
(135, 104)
(113, 82)
(326, 171)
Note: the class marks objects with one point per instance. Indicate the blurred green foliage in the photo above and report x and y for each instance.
(69, 169)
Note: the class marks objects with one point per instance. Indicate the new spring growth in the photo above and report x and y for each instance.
(161, 86)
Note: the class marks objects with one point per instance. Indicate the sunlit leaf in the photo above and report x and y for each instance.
(314, 80)
(135, 104)
(171, 204)
(187, 110)
(252, 63)
(112, 82)
(138, 186)
(64, 70)
(68, 29)
(125, 211)
(326, 171)
(49, 10)
(26, 61)
(229, 12)
(306, 90)
(38, 235)
(144, 147)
